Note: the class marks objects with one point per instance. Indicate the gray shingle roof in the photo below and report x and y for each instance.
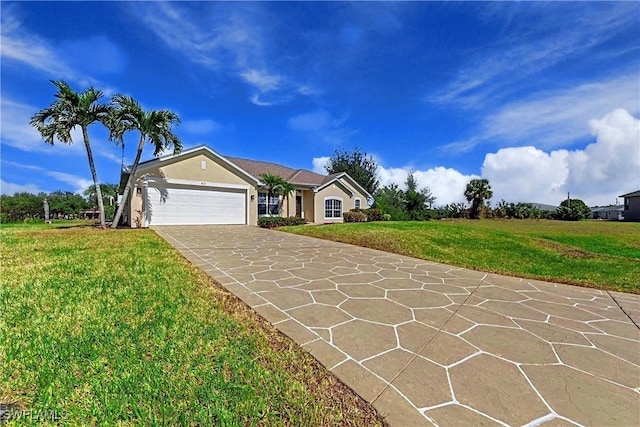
(294, 176)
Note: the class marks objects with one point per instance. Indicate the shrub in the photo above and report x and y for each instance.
(278, 221)
(354, 216)
(373, 214)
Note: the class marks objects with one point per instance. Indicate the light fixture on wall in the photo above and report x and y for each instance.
(253, 197)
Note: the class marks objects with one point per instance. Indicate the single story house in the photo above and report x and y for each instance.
(613, 212)
(200, 186)
(632, 206)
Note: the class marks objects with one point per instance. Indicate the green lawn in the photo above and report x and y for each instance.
(598, 254)
(114, 327)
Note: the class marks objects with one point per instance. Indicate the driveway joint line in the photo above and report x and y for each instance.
(415, 355)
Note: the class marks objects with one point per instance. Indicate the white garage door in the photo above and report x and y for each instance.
(183, 206)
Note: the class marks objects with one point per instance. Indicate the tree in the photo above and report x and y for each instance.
(109, 195)
(63, 203)
(286, 189)
(155, 126)
(416, 200)
(360, 166)
(390, 200)
(71, 109)
(477, 191)
(21, 206)
(274, 185)
(573, 210)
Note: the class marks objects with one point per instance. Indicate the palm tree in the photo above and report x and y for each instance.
(154, 126)
(478, 190)
(71, 109)
(286, 189)
(274, 184)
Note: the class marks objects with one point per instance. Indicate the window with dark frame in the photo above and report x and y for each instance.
(273, 205)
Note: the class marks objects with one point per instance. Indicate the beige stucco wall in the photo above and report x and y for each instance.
(308, 212)
(336, 190)
(190, 169)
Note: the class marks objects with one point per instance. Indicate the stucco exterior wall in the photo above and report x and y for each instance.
(308, 211)
(336, 190)
(191, 169)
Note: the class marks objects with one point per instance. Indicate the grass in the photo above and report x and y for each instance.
(115, 327)
(599, 254)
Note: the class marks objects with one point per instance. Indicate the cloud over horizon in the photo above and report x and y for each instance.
(597, 174)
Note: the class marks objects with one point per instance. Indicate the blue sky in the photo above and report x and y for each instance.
(540, 98)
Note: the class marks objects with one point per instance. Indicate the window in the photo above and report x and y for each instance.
(332, 208)
(357, 203)
(273, 204)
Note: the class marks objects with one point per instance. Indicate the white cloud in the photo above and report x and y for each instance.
(78, 183)
(446, 184)
(15, 131)
(77, 60)
(10, 188)
(225, 38)
(319, 164)
(200, 127)
(501, 69)
(554, 118)
(597, 174)
(262, 80)
(20, 46)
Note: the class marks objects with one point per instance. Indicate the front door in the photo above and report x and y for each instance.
(299, 205)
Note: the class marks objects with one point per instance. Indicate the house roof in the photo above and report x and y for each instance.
(294, 176)
(632, 194)
(608, 208)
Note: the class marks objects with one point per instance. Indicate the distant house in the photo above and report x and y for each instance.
(544, 207)
(612, 212)
(632, 206)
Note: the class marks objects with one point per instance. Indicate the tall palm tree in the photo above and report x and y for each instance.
(477, 191)
(155, 126)
(274, 184)
(71, 109)
(286, 189)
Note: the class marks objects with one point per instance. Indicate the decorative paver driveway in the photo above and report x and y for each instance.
(430, 343)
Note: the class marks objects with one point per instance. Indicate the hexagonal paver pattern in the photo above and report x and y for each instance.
(428, 343)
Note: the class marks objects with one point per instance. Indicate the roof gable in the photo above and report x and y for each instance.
(191, 152)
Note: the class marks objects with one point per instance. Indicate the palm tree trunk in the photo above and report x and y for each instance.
(127, 188)
(94, 175)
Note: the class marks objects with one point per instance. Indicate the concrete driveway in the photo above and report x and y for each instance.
(428, 343)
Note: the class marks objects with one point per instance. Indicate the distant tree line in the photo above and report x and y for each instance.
(26, 206)
(413, 203)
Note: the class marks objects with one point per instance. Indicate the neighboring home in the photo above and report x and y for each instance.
(544, 207)
(632, 206)
(614, 212)
(200, 186)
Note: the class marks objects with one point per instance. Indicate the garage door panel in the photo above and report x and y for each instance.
(190, 206)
